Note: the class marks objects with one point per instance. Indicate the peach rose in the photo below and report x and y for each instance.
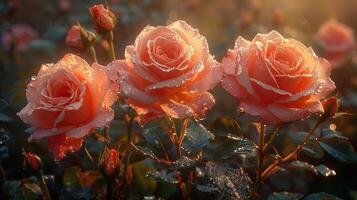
(168, 71)
(66, 101)
(277, 79)
(337, 41)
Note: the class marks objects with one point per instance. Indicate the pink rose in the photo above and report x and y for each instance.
(337, 40)
(66, 101)
(277, 79)
(168, 71)
(19, 36)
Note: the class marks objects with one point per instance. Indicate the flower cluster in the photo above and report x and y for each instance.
(169, 72)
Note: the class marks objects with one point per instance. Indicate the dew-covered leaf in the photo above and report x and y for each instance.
(196, 138)
(311, 148)
(339, 148)
(224, 126)
(163, 176)
(206, 189)
(302, 165)
(325, 171)
(232, 146)
(231, 182)
(285, 196)
(321, 196)
(184, 163)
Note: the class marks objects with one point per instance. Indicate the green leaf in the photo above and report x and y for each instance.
(339, 148)
(4, 118)
(163, 176)
(303, 165)
(223, 126)
(325, 171)
(196, 138)
(311, 148)
(321, 196)
(229, 181)
(10, 187)
(184, 163)
(70, 178)
(285, 196)
(206, 189)
(232, 146)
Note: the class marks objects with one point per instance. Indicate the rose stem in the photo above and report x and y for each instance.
(261, 158)
(293, 155)
(111, 44)
(172, 129)
(129, 121)
(2, 178)
(106, 133)
(44, 185)
(263, 153)
(93, 54)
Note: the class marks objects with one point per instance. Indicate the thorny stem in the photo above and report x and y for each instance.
(106, 133)
(111, 44)
(293, 155)
(177, 140)
(93, 54)
(129, 121)
(271, 139)
(88, 154)
(261, 158)
(44, 185)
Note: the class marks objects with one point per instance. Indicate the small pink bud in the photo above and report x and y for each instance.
(79, 38)
(33, 161)
(330, 106)
(104, 20)
(111, 161)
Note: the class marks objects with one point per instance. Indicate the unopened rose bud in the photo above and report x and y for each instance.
(79, 38)
(330, 106)
(33, 161)
(110, 161)
(104, 20)
(278, 18)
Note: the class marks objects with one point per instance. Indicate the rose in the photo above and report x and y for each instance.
(66, 101)
(168, 71)
(337, 41)
(104, 20)
(277, 79)
(79, 38)
(19, 36)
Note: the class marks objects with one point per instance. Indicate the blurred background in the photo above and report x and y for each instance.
(44, 24)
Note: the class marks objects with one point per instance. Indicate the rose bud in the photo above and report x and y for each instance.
(331, 106)
(110, 161)
(278, 17)
(79, 38)
(33, 161)
(104, 20)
